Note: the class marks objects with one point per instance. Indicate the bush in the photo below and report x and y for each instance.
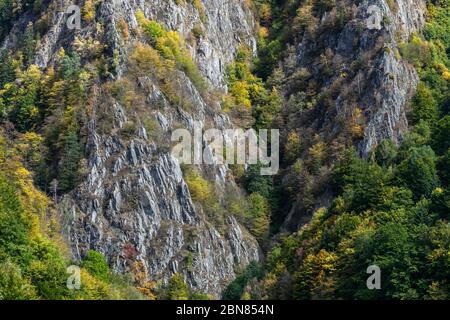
(12, 285)
(96, 264)
(199, 188)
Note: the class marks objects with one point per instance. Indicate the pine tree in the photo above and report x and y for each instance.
(28, 44)
(69, 164)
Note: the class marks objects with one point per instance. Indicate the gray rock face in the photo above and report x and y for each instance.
(397, 80)
(383, 82)
(358, 78)
(134, 204)
(225, 26)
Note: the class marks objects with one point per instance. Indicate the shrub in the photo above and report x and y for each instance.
(88, 10)
(96, 264)
(177, 288)
(12, 285)
(199, 188)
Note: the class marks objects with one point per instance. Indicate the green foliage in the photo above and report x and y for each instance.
(14, 227)
(12, 285)
(177, 288)
(236, 288)
(438, 24)
(19, 100)
(255, 182)
(69, 167)
(248, 95)
(443, 165)
(7, 68)
(171, 47)
(95, 263)
(33, 262)
(424, 106)
(418, 171)
(154, 31)
(258, 215)
(28, 44)
(386, 153)
(362, 182)
(70, 66)
(441, 142)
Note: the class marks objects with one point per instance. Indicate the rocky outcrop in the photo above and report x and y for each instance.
(348, 58)
(396, 80)
(134, 204)
(365, 59)
(223, 27)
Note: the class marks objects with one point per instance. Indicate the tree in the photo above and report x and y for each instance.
(444, 168)
(363, 183)
(19, 101)
(14, 227)
(7, 68)
(28, 44)
(418, 171)
(255, 182)
(424, 106)
(69, 164)
(177, 288)
(315, 278)
(441, 142)
(70, 66)
(386, 153)
(259, 215)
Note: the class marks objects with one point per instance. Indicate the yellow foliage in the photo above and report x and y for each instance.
(148, 60)
(317, 152)
(123, 28)
(293, 146)
(199, 188)
(263, 32)
(140, 17)
(92, 288)
(35, 203)
(356, 127)
(240, 91)
(88, 10)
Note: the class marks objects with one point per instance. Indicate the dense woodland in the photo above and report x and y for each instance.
(391, 209)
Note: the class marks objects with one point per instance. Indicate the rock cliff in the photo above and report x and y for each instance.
(347, 57)
(134, 205)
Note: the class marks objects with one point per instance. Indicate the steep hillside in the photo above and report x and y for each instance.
(358, 90)
(352, 91)
(105, 99)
